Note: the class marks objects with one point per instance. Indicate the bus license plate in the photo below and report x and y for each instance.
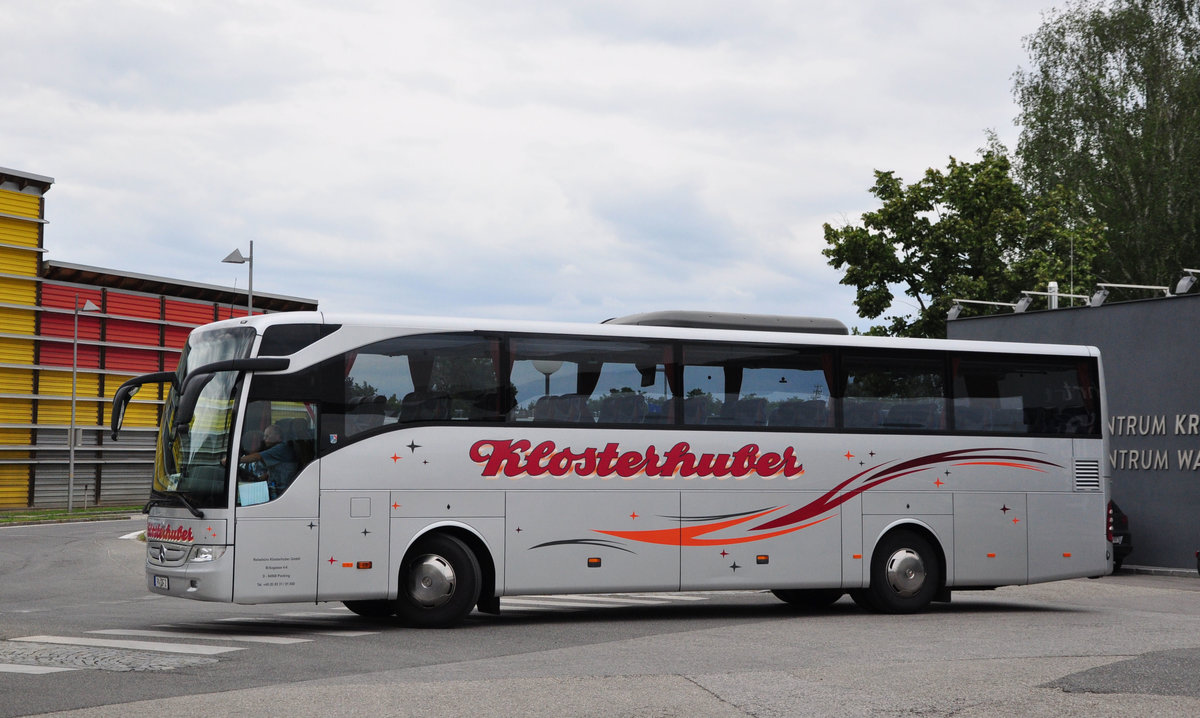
(160, 582)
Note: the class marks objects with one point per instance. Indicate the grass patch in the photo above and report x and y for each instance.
(16, 516)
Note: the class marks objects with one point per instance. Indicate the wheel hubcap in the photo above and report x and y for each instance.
(906, 572)
(431, 581)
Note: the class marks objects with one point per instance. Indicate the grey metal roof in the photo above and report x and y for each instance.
(132, 281)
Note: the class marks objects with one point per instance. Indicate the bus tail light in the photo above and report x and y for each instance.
(1109, 532)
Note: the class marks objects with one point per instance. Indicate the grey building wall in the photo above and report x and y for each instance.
(1149, 350)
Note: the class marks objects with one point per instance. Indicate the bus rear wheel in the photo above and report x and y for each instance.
(439, 583)
(809, 598)
(905, 574)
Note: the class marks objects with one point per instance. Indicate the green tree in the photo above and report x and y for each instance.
(970, 232)
(1110, 112)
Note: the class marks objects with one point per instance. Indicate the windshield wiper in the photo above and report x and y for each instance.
(174, 499)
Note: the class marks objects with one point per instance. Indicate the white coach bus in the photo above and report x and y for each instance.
(425, 467)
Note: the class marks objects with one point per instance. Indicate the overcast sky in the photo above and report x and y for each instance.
(549, 160)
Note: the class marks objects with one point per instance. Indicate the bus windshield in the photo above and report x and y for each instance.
(189, 464)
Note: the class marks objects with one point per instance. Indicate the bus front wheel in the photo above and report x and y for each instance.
(905, 574)
(439, 582)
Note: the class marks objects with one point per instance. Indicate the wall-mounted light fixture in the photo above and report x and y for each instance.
(1028, 299)
(956, 308)
(1186, 283)
(1165, 290)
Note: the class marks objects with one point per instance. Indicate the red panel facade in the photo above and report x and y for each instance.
(59, 354)
(133, 305)
(176, 337)
(191, 312)
(132, 360)
(63, 297)
(63, 325)
(124, 332)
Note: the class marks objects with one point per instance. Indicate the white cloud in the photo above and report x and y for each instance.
(535, 159)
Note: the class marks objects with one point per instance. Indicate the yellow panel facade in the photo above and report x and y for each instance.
(14, 486)
(58, 383)
(59, 413)
(139, 415)
(16, 411)
(16, 381)
(17, 291)
(15, 437)
(20, 204)
(15, 321)
(18, 232)
(18, 261)
(16, 351)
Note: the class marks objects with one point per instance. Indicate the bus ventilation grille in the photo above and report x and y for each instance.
(1087, 475)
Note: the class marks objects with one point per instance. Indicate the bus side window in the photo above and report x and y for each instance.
(422, 378)
(276, 444)
(893, 392)
(1032, 395)
(752, 386)
(576, 381)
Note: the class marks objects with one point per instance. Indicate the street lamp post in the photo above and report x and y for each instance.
(235, 257)
(88, 306)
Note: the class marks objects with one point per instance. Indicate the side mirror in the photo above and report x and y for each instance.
(126, 391)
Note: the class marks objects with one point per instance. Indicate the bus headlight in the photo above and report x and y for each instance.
(206, 553)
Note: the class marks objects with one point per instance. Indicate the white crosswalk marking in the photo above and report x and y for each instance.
(191, 635)
(191, 648)
(31, 670)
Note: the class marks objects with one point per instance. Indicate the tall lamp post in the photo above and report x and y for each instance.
(88, 306)
(235, 257)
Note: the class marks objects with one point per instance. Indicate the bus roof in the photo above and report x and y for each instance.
(730, 320)
(428, 324)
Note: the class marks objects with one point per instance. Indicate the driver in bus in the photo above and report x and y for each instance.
(279, 458)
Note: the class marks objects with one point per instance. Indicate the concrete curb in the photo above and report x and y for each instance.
(1157, 571)
(116, 516)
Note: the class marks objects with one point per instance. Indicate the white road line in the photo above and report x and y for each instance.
(522, 604)
(315, 627)
(31, 670)
(669, 596)
(192, 648)
(609, 600)
(134, 535)
(280, 640)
